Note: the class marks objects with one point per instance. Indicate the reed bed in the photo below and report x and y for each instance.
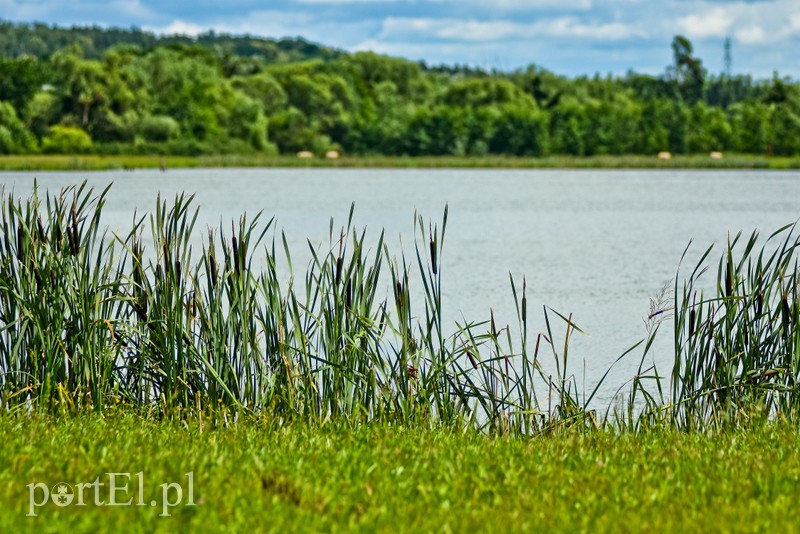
(91, 319)
(736, 342)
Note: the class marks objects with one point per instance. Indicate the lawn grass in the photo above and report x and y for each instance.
(258, 477)
(96, 162)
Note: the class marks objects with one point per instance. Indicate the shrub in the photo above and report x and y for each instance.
(66, 140)
(158, 128)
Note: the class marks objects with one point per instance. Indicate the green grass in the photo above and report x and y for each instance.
(257, 477)
(96, 162)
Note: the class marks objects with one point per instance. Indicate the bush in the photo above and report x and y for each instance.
(14, 137)
(66, 140)
(158, 128)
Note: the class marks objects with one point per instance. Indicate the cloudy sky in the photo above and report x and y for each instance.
(571, 37)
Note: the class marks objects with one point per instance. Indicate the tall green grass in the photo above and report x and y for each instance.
(736, 339)
(220, 322)
(89, 318)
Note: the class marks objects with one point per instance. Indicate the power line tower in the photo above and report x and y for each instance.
(728, 60)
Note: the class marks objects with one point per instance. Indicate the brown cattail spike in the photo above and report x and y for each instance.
(729, 279)
(42, 234)
(20, 244)
(433, 253)
(235, 254)
(524, 301)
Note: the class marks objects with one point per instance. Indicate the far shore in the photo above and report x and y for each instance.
(97, 162)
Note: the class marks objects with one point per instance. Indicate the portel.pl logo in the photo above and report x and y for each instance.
(118, 489)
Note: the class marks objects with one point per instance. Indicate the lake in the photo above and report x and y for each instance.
(595, 243)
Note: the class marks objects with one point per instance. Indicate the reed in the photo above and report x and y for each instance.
(89, 319)
(737, 346)
(224, 326)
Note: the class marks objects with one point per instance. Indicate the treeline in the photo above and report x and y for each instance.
(128, 91)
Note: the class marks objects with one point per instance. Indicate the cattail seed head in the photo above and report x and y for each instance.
(433, 257)
(40, 228)
(235, 255)
(472, 360)
(20, 244)
(729, 280)
(58, 237)
(212, 267)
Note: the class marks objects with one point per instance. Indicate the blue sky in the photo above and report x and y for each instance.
(571, 37)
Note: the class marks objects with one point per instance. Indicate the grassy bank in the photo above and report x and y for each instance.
(256, 477)
(92, 162)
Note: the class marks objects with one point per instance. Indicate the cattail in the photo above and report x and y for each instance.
(20, 244)
(433, 255)
(75, 241)
(729, 279)
(524, 301)
(165, 249)
(40, 228)
(338, 270)
(212, 267)
(759, 303)
(71, 241)
(692, 319)
(178, 272)
(349, 294)
(38, 278)
(399, 294)
(472, 360)
(212, 261)
(59, 236)
(235, 255)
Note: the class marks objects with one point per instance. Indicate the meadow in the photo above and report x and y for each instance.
(261, 476)
(340, 399)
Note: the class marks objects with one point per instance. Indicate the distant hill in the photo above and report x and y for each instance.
(42, 41)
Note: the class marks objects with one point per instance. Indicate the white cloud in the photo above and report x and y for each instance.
(179, 27)
(715, 22)
(456, 30)
(526, 5)
(750, 35)
(132, 8)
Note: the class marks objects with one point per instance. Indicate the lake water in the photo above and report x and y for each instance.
(595, 243)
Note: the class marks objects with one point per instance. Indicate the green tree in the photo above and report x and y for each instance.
(14, 137)
(687, 71)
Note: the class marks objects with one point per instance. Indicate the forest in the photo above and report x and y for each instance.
(126, 91)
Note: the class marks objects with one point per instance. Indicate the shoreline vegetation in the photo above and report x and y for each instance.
(90, 162)
(219, 332)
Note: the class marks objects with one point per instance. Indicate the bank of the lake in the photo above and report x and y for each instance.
(86, 162)
(254, 477)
